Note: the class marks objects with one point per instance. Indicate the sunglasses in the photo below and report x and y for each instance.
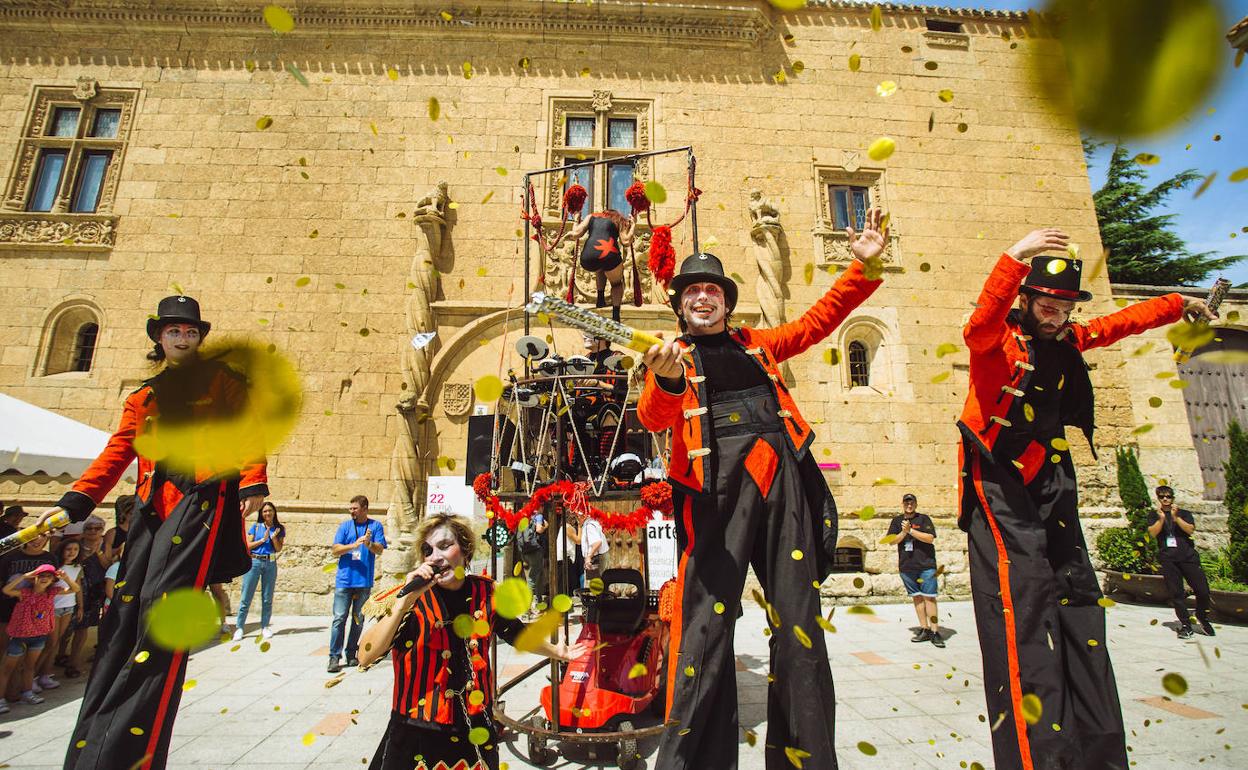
(1165, 497)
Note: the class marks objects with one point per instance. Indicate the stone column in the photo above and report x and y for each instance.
(407, 465)
(765, 233)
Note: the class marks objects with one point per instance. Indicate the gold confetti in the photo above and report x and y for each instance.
(189, 685)
(882, 148)
(1060, 444)
(1190, 336)
(867, 748)
(488, 388)
(142, 656)
(1147, 159)
(940, 377)
(877, 18)
(478, 736)
(831, 356)
(309, 739)
(719, 608)
(512, 598)
(278, 19)
(855, 62)
(435, 108)
(865, 513)
(1029, 412)
(945, 95)
(1032, 708)
(886, 88)
(795, 756)
(446, 16)
(1239, 174)
(136, 730)
(860, 609)
(655, 192)
(182, 619)
(264, 122)
(802, 637)
(1174, 684)
(945, 348)
(525, 62)
(467, 68)
(808, 272)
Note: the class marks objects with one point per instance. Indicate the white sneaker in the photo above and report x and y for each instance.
(47, 682)
(266, 633)
(238, 635)
(31, 698)
(4, 706)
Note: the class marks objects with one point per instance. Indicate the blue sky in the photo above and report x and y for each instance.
(1206, 223)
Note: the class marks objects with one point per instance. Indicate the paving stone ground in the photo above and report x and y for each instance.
(921, 707)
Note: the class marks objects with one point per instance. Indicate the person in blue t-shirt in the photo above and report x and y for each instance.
(356, 544)
(265, 539)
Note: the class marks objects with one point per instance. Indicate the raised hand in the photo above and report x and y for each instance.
(664, 359)
(1197, 310)
(871, 241)
(1037, 242)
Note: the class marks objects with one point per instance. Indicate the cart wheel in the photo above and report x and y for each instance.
(539, 754)
(627, 748)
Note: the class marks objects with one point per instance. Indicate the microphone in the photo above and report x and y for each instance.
(418, 582)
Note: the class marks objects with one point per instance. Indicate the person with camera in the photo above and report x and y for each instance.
(915, 536)
(1173, 528)
(357, 543)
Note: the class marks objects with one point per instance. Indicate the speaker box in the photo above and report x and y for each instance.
(480, 437)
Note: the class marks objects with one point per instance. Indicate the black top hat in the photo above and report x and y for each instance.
(702, 268)
(176, 310)
(1057, 277)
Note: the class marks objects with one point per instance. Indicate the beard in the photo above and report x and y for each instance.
(1033, 326)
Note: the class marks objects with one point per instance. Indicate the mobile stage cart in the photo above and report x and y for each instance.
(563, 422)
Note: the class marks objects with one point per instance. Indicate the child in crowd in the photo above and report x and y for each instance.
(30, 625)
(67, 608)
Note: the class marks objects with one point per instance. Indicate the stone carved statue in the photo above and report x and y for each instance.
(407, 468)
(765, 233)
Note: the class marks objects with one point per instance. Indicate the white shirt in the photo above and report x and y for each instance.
(67, 598)
(591, 535)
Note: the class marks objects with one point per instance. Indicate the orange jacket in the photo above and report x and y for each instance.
(686, 412)
(1002, 358)
(225, 393)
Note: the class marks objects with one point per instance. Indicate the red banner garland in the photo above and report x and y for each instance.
(656, 496)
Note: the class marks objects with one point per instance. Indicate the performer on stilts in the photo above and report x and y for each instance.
(609, 234)
(746, 490)
(1052, 698)
(187, 532)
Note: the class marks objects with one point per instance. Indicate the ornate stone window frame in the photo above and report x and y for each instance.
(58, 343)
(61, 228)
(831, 244)
(602, 106)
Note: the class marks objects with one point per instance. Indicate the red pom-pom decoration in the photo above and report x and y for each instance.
(574, 199)
(662, 260)
(636, 197)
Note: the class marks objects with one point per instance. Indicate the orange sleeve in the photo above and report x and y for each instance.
(794, 337)
(658, 409)
(1137, 318)
(987, 324)
(104, 473)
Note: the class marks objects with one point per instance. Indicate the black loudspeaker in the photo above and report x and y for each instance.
(480, 436)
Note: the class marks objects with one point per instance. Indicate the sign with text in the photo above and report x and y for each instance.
(661, 546)
(449, 494)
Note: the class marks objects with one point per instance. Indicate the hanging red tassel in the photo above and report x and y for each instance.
(662, 260)
(636, 197)
(574, 199)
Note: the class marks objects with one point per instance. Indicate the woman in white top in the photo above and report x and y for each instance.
(66, 606)
(594, 545)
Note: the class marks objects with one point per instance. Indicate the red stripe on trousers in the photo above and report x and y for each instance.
(678, 609)
(176, 660)
(1011, 635)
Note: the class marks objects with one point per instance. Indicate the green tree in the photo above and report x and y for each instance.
(1143, 248)
(1132, 489)
(1236, 497)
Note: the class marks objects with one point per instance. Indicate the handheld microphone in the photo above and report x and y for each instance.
(417, 583)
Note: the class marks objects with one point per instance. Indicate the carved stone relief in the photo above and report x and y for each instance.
(456, 399)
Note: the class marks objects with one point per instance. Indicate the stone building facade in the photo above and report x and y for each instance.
(306, 189)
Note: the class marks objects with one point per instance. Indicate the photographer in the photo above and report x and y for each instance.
(1173, 528)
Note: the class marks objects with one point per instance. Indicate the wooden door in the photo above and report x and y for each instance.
(1215, 395)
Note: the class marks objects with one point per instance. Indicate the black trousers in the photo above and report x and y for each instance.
(403, 742)
(1041, 630)
(766, 506)
(128, 708)
(1175, 572)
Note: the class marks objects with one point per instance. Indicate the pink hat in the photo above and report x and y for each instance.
(44, 568)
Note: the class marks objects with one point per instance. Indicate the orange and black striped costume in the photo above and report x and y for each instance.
(436, 672)
(1041, 629)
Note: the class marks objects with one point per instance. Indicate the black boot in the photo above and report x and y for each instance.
(615, 313)
(601, 301)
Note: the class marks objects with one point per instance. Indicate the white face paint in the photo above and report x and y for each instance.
(704, 307)
(180, 342)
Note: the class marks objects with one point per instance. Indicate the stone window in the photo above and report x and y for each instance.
(844, 194)
(859, 364)
(849, 555)
(598, 128)
(64, 181)
(70, 339)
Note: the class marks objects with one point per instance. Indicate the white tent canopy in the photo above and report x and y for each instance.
(35, 440)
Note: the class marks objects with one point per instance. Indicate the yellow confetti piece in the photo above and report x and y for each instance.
(689, 671)
(638, 670)
(136, 730)
(487, 197)
(264, 122)
(962, 127)
(867, 748)
(945, 348)
(873, 268)
(435, 108)
(802, 637)
(719, 608)
(373, 127)
(476, 697)
(309, 739)
(182, 619)
(80, 744)
(831, 356)
(1029, 412)
(1060, 444)
(877, 18)
(1147, 159)
(392, 73)
(1174, 684)
(945, 95)
(488, 388)
(1190, 336)
(882, 148)
(1093, 643)
(855, 62)
(189, 685)
(655, 192)
(866, 512)
(1032, 708)
(1145, 428)
(561, 603)
(467, 68)
(278, 19)
(751, 737)
(142, 656)
(512, 598)
(596, 587)
(883, 481)
(825, 624)
(303, 281)
(1239, 174)
(446, 16)
(808, 272)
(886, 88)
(860, 609)
(795, 756)
(537, 632)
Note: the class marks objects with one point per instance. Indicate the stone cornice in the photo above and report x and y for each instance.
(734, 24)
